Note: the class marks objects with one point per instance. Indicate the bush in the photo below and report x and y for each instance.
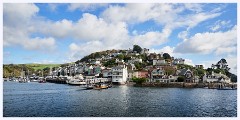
(180, 79)
(139, 80)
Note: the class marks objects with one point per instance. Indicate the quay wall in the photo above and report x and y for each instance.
(182, 85)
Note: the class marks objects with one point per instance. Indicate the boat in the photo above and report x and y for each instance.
(74, 82)
(24, 80)
(101, 86)
(35, 80)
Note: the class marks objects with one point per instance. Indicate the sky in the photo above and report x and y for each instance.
(61, 33)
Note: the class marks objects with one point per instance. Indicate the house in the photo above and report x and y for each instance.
(159, 75)
(97, 70)
(199, 66)
(145, 51)
(216, 77)
(159, 62)
(131, 66)
(96, 62)
(135, 60)
(141, 74)
(178, 61)
(130, 75)
(119, 74)
(106, 72)
(156, 74)
(152, 56)
(186, 73)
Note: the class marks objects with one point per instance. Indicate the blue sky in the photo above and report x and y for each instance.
(60, 33)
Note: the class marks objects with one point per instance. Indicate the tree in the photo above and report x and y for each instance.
(137, 48)
(120, 56)
(200, 72)
(180, 79)
(169, 70)
(166, 56)
(138, 65)
(109, 63)
(139, 80)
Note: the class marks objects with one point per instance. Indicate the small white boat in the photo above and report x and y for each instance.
(74, 82)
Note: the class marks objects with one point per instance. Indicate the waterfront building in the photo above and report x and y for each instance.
(106, 72)
(119, 74)
(156, 74)
(141, 74)
(130, 75)
(186, 73)
(216, 77)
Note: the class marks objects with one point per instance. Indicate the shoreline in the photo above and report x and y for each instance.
(183, 85)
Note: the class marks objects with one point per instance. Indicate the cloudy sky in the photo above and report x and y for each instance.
(60, 33)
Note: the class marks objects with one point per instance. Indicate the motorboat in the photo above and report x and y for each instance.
(74, 82)
(101, 86)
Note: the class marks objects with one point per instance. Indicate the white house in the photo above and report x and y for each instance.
(119, 74)
(106, 72)
(216, 77)
(135, 60)
(178, 61)
(159, 62)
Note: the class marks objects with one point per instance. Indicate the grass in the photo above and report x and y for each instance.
(42, 66)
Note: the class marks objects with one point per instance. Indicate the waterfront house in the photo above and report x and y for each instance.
(119, 74)
(216, 77)
(156, 74)
(106, 72)
(130, 74)
(141, 74)
(186, 73)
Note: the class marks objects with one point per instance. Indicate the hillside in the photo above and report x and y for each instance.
(14, 70)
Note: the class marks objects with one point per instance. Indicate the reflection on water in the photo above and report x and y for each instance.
(59, 100)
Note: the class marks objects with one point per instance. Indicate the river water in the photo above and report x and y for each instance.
(62, 100)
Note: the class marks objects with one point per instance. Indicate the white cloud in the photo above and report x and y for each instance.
(189, 62)
(150, 39)
(166, 49)
(53, 6)
(164, 14)
(183, 35)
(17, 28)
(206, 43)
(220, 25)
(85, 6)
(14, 15)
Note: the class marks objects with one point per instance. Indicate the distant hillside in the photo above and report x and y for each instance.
(14, 70)
(42, 66)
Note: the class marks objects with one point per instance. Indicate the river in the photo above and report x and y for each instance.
(61, 100)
